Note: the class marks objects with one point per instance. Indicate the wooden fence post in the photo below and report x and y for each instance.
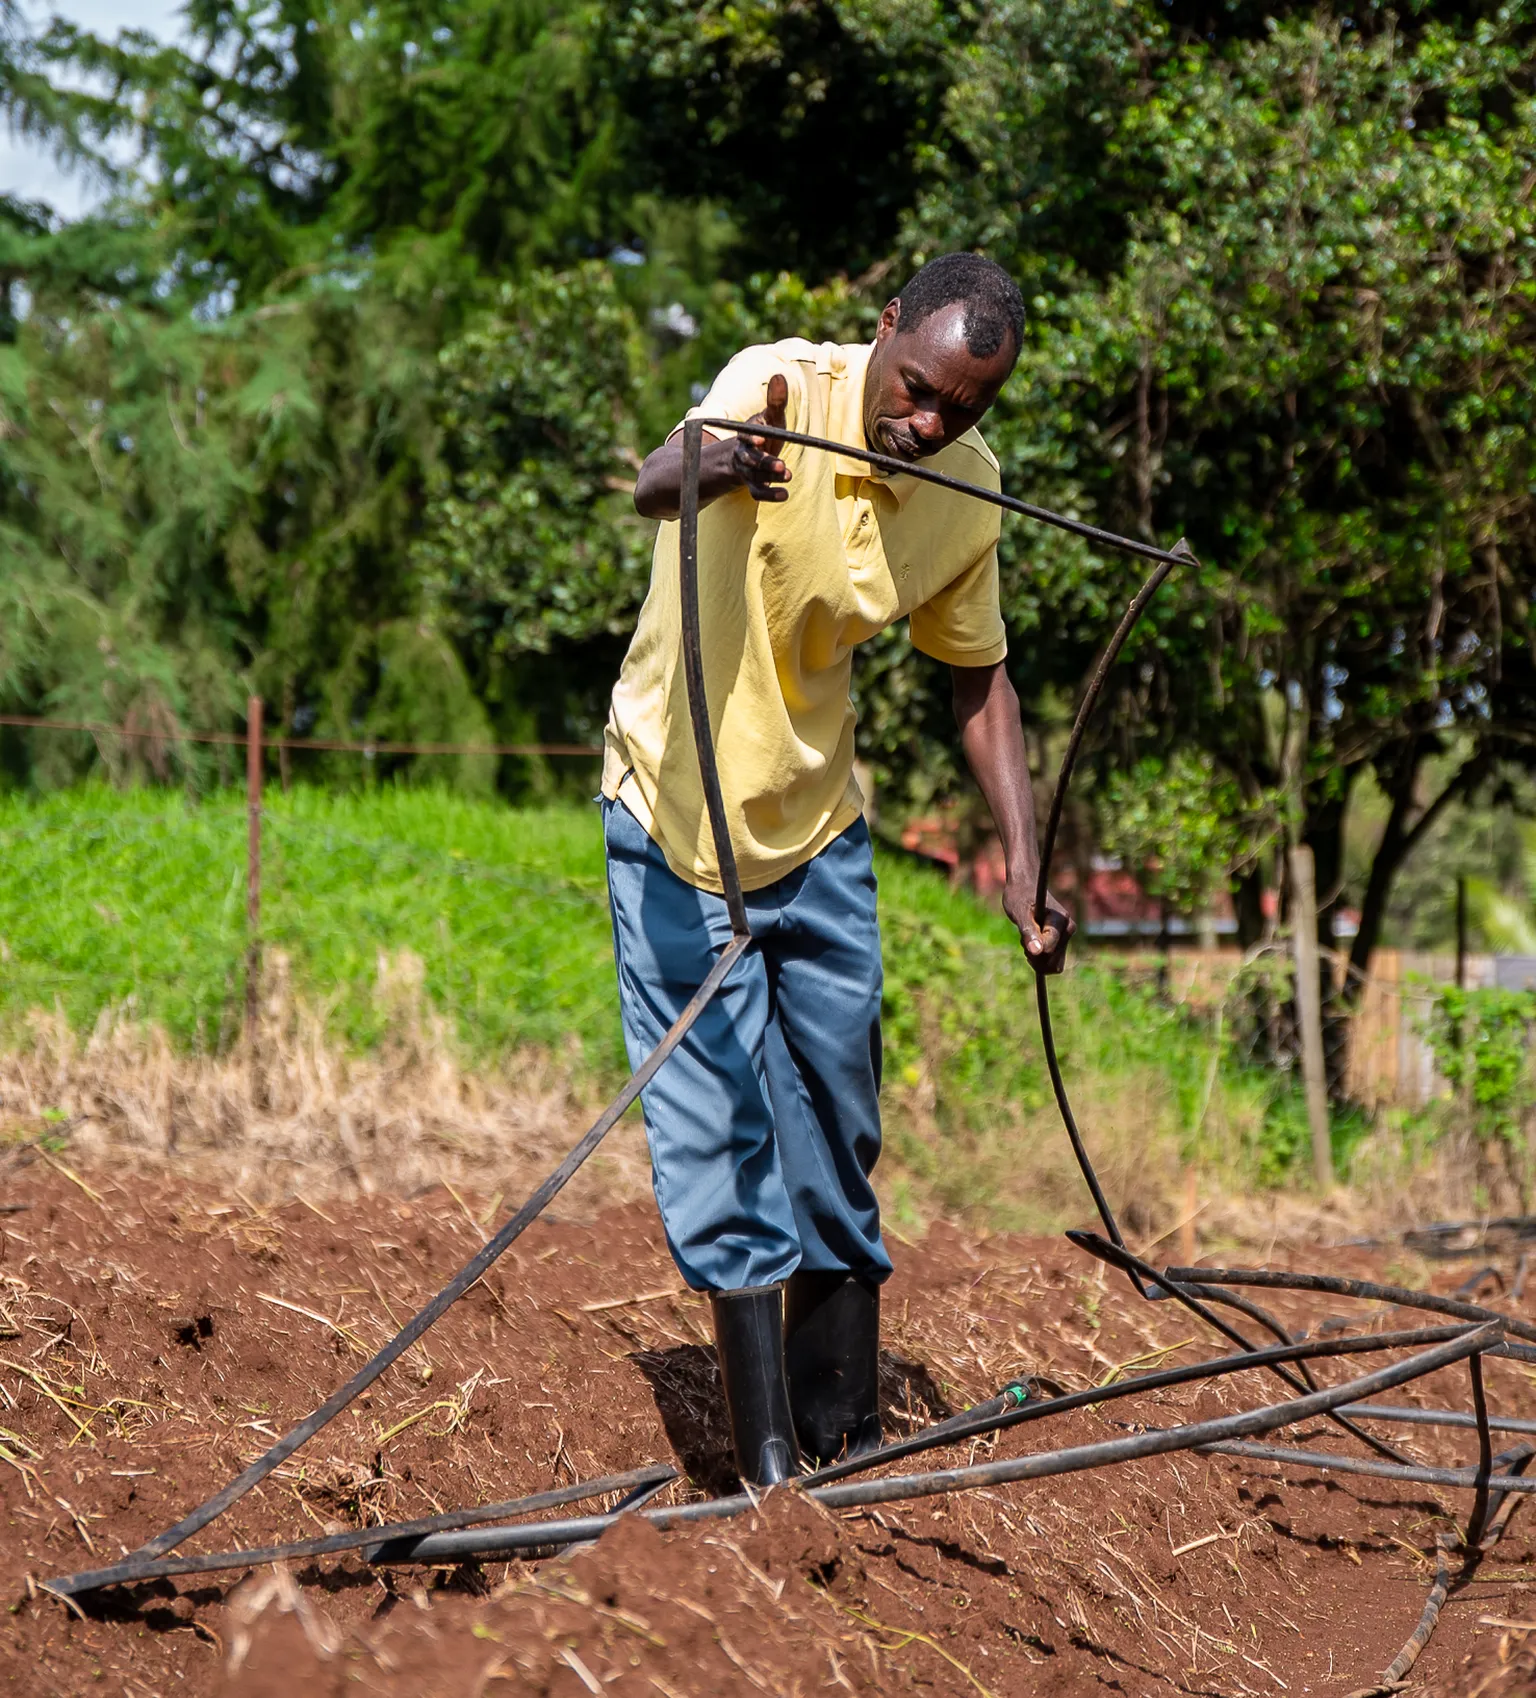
(252, 866)
(1309, 1009)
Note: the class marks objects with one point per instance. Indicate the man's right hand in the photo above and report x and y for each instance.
(748, 460)
(755, 461)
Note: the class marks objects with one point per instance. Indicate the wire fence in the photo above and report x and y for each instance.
(171, 912)
(131, 902)
(255, 736)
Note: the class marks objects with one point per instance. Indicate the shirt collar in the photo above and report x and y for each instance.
(848, 367)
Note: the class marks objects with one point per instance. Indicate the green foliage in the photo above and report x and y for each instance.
(810, 123)
(1286, 314)
(1491, 846)
(528, 535)
(1281, 1154)
(1184, 828)
(1482, 1045)
(187, 506)
(506, 910)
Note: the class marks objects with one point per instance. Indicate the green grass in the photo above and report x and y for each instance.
(109, 898)
(136, 900)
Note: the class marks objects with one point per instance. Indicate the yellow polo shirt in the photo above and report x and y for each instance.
(785, 592)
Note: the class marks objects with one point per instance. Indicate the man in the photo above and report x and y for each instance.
(765, 1124)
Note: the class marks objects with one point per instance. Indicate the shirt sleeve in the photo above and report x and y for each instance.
(963, 624)
(742, 389)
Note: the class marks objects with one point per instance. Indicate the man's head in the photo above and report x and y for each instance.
(944, 349)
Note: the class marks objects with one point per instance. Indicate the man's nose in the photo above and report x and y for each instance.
(928, 428)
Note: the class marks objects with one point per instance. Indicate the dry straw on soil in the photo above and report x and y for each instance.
(292, 1113)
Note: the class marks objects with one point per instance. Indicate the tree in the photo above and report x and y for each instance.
(529, 542)
(808, 122)
(1313, 357)
(221, 414)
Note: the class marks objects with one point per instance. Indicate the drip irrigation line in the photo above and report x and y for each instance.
(1180, 555)
(1397, 1670)
(1143, 1274)
(1504, 1503)
(1147, 1283)
(632, 1500)
(1244, 1306)
(1477, 1522)
(1395, 1675)
(395, 1542)
(652, 1478)
(472, 1270)
(496, 1541)
(693, 677)
(1255, 1311)
(959, 1429)
(1503, 1506)
(1460, 1479)
(1365, 1289)
(1435, 1417)
(925, 474)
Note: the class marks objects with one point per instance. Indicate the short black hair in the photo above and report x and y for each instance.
(993, 305)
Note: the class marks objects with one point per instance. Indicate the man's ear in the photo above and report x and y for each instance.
(890, 317)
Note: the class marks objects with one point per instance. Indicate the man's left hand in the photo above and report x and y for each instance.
(1045, 945)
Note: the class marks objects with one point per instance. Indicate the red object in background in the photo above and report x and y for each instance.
(1112, 902)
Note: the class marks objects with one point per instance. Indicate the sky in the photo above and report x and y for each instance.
(28, 171)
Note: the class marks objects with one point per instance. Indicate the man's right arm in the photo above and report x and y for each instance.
(748, 462)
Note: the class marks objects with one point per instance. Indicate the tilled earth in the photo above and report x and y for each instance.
(155, 1338)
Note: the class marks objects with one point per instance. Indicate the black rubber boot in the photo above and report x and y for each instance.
(749, 1338)
(832, 1352)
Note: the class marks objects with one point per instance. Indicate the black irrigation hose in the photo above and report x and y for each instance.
(1505, 1503)
(1180, 555)
(400, 1541)
(458, 1285)
(652, 1477)
(1254, 1311)
(460, 1547)
(958, 1430)
(926, 474)
(1145, 1278)
(1462, 1479)
(1366, 1290)
(1396, 1671)
(1435, 1417)
(1477, 1522)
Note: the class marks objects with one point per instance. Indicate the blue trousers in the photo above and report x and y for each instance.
(765, 1123)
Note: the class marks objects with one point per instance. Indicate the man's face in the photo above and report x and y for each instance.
(925, 388)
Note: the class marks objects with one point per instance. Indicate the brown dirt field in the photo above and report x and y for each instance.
(155, 1335)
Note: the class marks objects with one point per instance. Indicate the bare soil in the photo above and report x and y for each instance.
(155, 1336)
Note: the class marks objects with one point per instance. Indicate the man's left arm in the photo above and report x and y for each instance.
(987, 712)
